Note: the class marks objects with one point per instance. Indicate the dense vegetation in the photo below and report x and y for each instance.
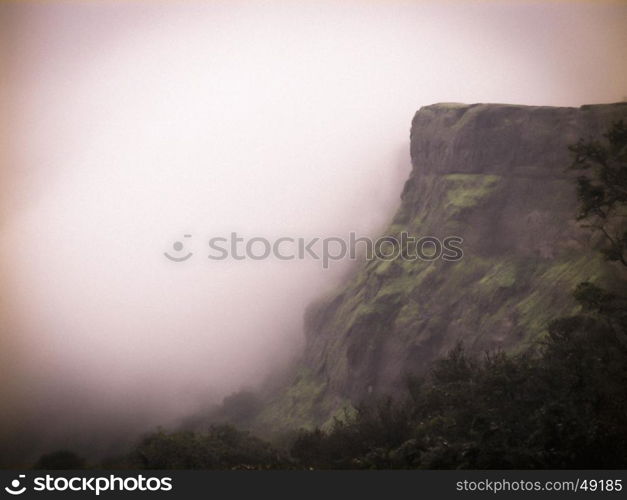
(221, 447)
(560, 404)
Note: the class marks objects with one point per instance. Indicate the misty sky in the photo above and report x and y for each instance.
(128, 124)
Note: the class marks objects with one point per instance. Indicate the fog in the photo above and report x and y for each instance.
(130, 124)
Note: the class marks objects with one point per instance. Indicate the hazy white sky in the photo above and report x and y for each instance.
(129, 124)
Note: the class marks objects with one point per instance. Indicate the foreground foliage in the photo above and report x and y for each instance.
(562, 406)
(221, 447)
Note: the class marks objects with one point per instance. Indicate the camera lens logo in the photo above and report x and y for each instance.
(15, 489)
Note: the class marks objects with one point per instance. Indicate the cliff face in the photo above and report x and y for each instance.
(496, 175)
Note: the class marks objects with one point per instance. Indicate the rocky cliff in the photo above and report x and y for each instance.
(497, 176)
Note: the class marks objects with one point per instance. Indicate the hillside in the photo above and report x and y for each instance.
(496, 175)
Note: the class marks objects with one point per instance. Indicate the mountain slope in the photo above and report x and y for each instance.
(495, 175)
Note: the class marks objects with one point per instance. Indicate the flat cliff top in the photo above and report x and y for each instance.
(503, 139)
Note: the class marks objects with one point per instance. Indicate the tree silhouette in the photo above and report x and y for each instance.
(602, 188)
